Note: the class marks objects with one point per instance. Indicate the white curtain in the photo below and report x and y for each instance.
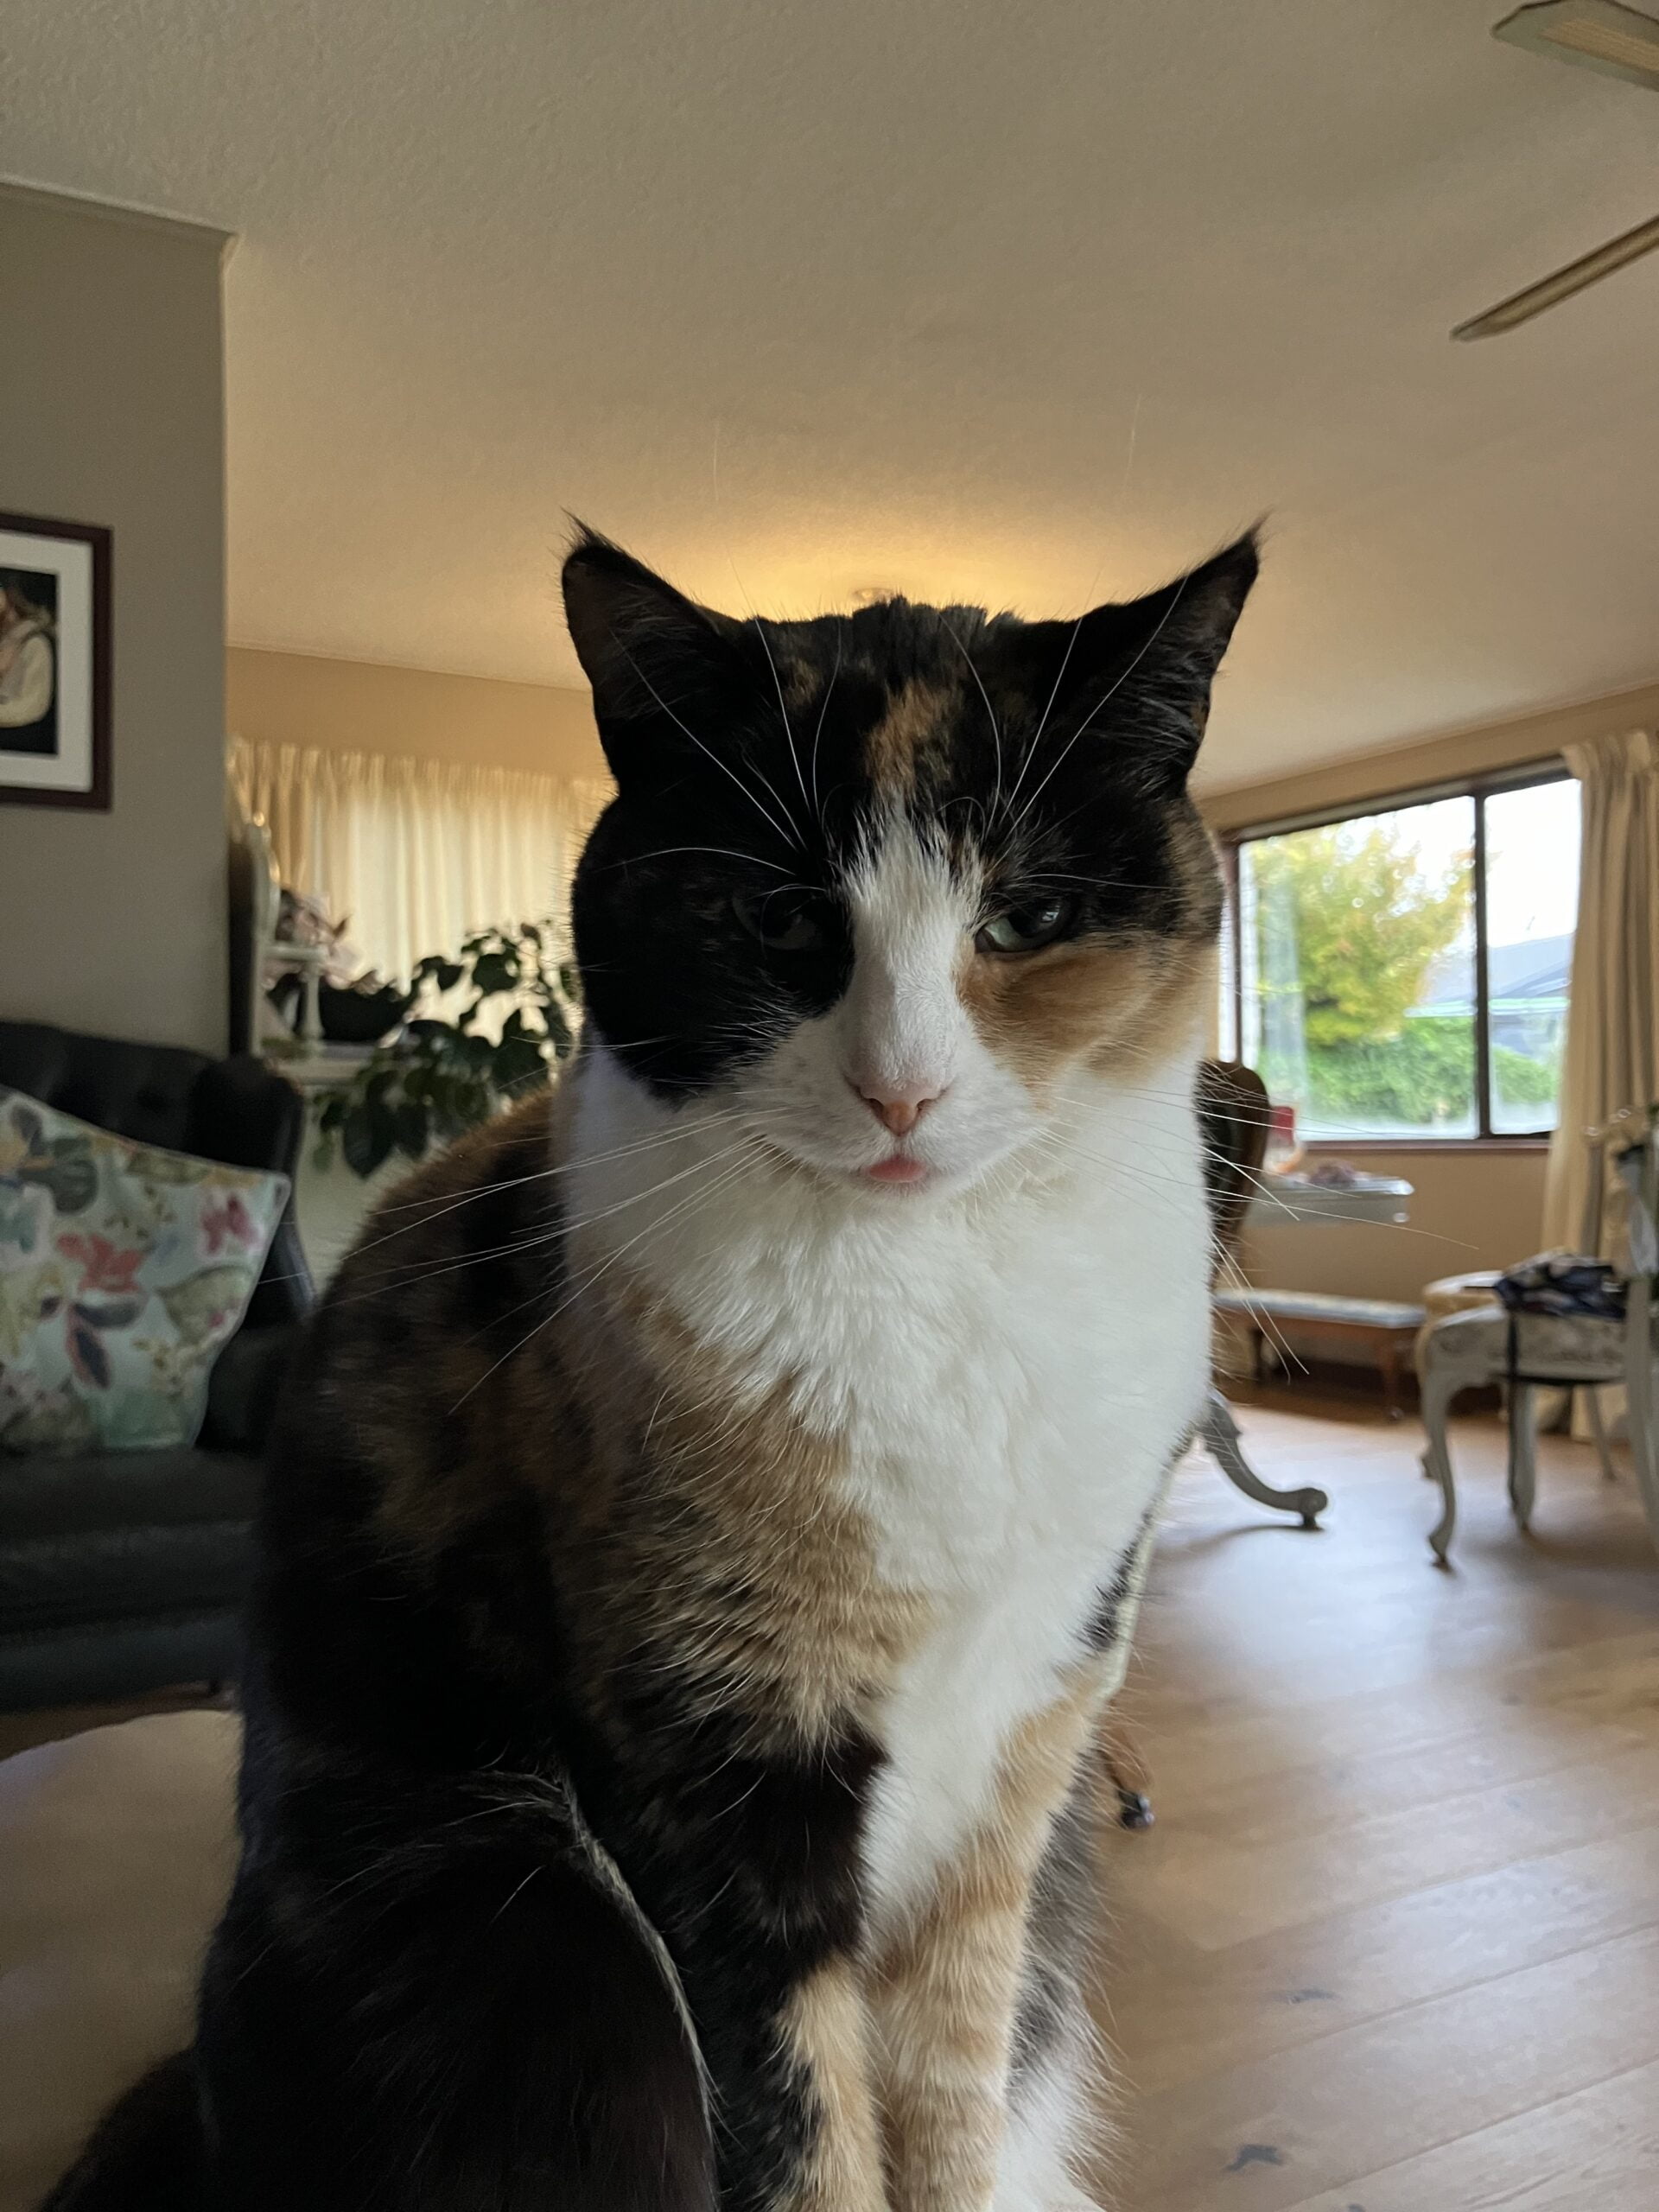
(415, 855)
(1611, 1063)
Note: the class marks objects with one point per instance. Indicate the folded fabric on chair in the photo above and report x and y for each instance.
(1563, 1282)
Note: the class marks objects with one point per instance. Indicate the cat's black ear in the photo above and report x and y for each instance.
(651, 654)
(1141, 673)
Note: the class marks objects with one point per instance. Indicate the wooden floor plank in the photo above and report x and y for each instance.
(1615, 1674)
(1595, 2152)
(1275, 2129)
(1394, 1945)
(1219, 1892)
(1359, 1784)
(1395, 1941)
(1293, 1988)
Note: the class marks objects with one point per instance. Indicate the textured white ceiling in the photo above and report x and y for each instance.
(1027, 302)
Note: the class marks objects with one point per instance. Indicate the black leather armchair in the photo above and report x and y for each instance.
(123, 1572)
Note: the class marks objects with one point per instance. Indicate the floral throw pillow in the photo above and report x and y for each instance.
(122, 1270)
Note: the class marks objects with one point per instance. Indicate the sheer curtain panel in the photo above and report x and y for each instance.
(413, 856)
(1610, 1062)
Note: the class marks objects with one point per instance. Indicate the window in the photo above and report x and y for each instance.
(1404, 974)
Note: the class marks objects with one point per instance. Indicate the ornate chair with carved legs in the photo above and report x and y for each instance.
(1233, 1114)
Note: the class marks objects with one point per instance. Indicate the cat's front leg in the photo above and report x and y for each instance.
(838, 2165)
(761, 1907)
(944, 1983)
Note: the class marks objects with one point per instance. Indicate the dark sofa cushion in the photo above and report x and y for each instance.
(95, 1493)
(242, 1389)
(121, 1572)
(114, 1535)
(236, 1110)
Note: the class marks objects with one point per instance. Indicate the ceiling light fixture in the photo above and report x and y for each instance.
(1620, 42)
(1593, 34)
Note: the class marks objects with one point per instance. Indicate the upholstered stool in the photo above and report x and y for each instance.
(1380, 1325)
(117, 1849)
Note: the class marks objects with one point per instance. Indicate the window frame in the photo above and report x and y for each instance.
(1523, 776)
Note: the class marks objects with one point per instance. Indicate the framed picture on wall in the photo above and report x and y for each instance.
(54, 663)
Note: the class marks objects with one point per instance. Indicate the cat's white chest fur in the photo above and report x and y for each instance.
(1007, 1373)
(1008, 1442)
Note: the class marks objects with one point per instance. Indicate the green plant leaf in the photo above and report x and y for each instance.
(369, 1134)
(518, 1063)
(495, 972)
(413, 1128)
(443, 1075)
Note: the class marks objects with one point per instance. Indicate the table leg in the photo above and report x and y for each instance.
(1639, 1395)
(1523, 1452)
(1438, 1389)
(1124, 1771)
(1598, 1429)
(1220, 1433)
(1388, 1359)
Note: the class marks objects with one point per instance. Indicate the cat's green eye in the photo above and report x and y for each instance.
(1034, 923)
(784, 922)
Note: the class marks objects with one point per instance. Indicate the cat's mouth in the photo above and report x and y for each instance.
(897, 1167)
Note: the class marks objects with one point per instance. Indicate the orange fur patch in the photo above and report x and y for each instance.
(1083, 1003)
(914, 714)
(1091, 1001)
(741, 1552)
(944, 1988)
(826, 2027)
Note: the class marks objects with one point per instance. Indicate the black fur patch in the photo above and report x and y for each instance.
(1104, 1625)
(148, 2155)
(427, 2000)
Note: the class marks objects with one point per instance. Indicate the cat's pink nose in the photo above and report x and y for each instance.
(899, 1106)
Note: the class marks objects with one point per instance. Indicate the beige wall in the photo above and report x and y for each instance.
(360, 706)
(112, 411)
(1475, 1206)
(1483, 750)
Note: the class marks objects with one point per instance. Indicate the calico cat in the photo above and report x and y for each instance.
(707, 1510)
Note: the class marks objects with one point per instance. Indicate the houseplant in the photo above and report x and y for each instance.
(444, 1075)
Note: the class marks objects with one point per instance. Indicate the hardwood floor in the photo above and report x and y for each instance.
(1393, 1943)
(21, 1732)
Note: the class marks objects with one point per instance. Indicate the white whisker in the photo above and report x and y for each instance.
(1146, 645)
(791, 835)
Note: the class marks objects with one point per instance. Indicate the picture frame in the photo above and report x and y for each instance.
(54, 663)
